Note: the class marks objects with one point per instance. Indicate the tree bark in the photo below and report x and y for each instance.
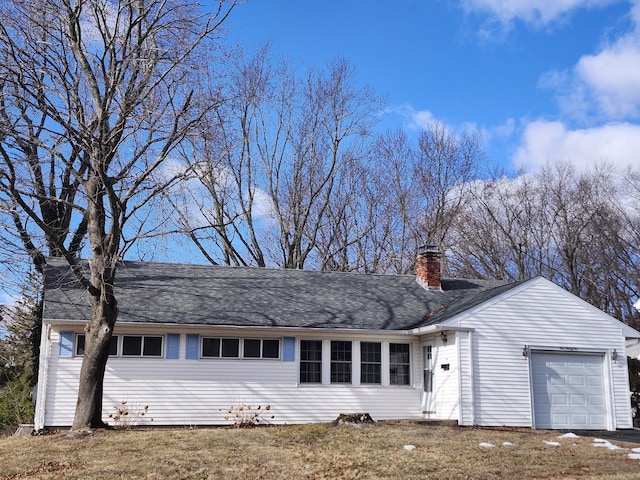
(98, 332)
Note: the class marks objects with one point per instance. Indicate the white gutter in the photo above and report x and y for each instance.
(438, 328)
(195, 326)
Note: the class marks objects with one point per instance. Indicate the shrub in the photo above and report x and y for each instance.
(126, 416)
(246, 416)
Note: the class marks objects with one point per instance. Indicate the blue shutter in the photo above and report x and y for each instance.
(289, 349)
(193, 346)
(173, 345)
(65, 345)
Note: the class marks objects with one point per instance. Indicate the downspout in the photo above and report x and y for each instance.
(43, 374)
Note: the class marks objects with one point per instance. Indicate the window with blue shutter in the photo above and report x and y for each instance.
(65, 345)
(193, 347)
(173, 346)
(289, 349)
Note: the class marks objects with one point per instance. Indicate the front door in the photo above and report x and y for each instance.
(427, 379)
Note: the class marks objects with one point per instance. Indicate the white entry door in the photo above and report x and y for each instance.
(427, 379)
(568, 391)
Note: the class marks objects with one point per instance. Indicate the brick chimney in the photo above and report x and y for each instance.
(428, 267)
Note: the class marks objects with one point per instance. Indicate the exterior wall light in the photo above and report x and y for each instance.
(443, 337)
(614, 355)
(525, 351)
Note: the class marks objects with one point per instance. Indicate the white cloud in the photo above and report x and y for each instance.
(611, 78)
(604, 84)
(506, 129)
(601, 93)
(534, 12)
(415, 119)
(543, 141)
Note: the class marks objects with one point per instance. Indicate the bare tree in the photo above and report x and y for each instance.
(272, 160)
(96, 94)
(392, 208)
(446, 162)
(574, 228)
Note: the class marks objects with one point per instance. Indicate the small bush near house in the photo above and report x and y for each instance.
(126, 416)
(246, 416)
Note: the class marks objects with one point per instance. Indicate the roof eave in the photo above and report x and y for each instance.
(195, 326)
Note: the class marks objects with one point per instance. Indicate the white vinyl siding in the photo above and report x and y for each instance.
(199, 392)
(543, 315)
(465, 380)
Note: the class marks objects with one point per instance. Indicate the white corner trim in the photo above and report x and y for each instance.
(43, 374)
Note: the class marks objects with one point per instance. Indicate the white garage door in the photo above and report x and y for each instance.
(568, 391)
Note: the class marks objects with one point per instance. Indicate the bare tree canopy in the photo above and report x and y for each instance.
(271, 161)
(578, 229)
(95, 96)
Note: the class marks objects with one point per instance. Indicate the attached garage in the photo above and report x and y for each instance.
(568, 390)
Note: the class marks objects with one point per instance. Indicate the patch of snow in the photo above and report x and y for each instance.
(634, 456)
(599, 442)
(409, 447)
(569, 435)
(507, 444)
(486, 445)
(554, 444)
(637, 450)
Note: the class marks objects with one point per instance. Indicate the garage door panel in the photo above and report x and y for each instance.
(576, 380)
(594, 381)
(560, 418)
(578, 420)
(558, 399)
(578, 400)
(554, 379)
(596, 400)
(568, 390)
(541, 399)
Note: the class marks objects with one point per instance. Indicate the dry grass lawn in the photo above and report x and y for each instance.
(315, 451)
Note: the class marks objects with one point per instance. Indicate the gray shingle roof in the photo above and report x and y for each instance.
(245, 296)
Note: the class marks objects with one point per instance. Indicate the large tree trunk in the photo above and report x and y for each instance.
(96, 352)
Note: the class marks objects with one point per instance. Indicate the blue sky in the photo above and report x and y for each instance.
(540, 79)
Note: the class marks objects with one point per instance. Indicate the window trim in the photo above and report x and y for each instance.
(261, 347)
(396, 364)
(241, 347)
(310, 362)
(357, 379)
(346, 366)
(142, 346)
(377, 364)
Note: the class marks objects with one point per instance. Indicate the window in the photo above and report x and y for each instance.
(141, 345)
(256, 348)
(399, 363)
(113, 345)
(370, 362)
(310, 361)
(210, 347)
(230, 348)
(221, 347)
(340, 362)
